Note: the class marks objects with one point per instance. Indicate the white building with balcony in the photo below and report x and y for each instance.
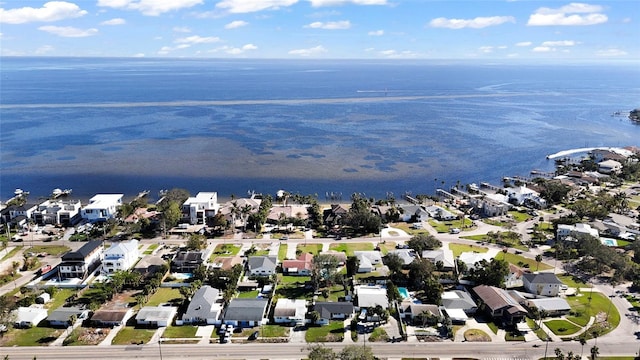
(102, 207)
(201, 207)
(120, 256)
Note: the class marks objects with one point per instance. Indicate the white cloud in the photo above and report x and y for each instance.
(394, 54)
(309, 52)
(477, 23)
(195, 39)
(150, 7)
(116, 21)
(50, 11)
(560, 43)
(167, 49)
(376, 33)
(68, 31)
(611, 53)
(524, 43)
(236, 24)
(247, 6)
(138, 55)
(181, 29)
(574, 14)
(486, 49)
(543, 49)
(319, 3)
(240, 50)
(330, 25)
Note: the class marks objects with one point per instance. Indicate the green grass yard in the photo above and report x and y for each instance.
(334, 332)
(53, 250)
(131, 335)
(522, 261)
(311, 248)
(178, 332)
(164, 295)
(351, 247)
(562, 327)
(282, 252)
(460, 248)
(35, 336)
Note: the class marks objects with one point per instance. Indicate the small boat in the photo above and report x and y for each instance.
(20, 192)
(59, 192)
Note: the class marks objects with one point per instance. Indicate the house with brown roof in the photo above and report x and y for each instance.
(498, 304)
(300, 266)
(111, 317)
(227, 262)
(514, 277)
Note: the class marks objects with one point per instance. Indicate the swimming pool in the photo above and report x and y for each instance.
(609, 242)
(182, 276)
(403, 292)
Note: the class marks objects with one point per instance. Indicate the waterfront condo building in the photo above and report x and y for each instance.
(57, 212)
(201, 207)
(79, 264)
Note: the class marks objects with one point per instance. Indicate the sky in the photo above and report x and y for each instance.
(605, 30)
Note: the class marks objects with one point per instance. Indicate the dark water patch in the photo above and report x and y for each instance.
(64, 158)
(111, 148)
(350, 170)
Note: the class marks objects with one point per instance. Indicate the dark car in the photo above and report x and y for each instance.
(254, 335)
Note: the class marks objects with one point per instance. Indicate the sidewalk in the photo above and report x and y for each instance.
(60, 340)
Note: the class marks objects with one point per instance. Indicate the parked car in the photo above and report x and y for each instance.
(254, 335)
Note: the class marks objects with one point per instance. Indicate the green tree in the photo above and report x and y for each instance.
(356, 352)
(538, 260)
(320, 352)
(394, 262)
(353, 263)
(172, 215)
(594, 352)
(490, 273)
(422, 242)
(196, 242)
(324, 268)
(314, 316)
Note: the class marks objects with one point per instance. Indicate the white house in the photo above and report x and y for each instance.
(546, 284)
(58, 212)
(367, 260)
(444, 255)
(201, 207)
(470, 259)
(522, 195)
(262, 265)
(576, 230)
(371, 296)
(120, 256)
(102, 207)
(290, 311)
(159, 316)
(205, 307)
(333, 310)
(29, 316)
(609, 167)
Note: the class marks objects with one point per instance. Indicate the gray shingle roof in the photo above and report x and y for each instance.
(325, 309)
(201, 303)
(246, 310)
(542, 278)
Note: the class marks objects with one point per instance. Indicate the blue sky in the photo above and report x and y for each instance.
(324, 29)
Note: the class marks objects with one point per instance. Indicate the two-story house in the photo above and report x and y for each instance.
(102, 207)
(57, 212)
(546, 284)
(120, 256)
(80, 263)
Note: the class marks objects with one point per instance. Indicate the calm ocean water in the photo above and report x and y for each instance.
(125, 125)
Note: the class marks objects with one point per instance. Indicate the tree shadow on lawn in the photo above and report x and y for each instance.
(294, 292)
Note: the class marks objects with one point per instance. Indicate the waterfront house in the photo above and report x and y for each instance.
(246, 312)
(545, 284)
(19, 215)
(80, 263)
(439, 213)
(328, 311)
(102, 207)
(609, 167)
(290, 311)
(57, 212)
(262, 265)
(233, 210)
(205, 307)
(490, 204)
(335, 215)
(413, 213)
(289, 211)
(301, 266)
(156, 316)
(498, 304)
(65, 316)
(203, 206)
(26, 317)
(120, 256)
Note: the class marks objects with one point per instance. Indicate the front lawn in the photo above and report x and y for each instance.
(59, 298)
(386, 246)
(476, 335)
(519, 216)
(351, 247)
(288, 279)
(572, 281)
(379, 334)
(582, 309)
(54, 250)
(248, 294)
(562, 327)
(35, 336)
(130, 335)
(309, 248)
(163, 296)
(522, 261)
(460, 248)
(282, 252)
(334, 332)
(180, 332)
(225, 250)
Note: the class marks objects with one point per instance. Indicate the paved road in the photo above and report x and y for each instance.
(445, 350)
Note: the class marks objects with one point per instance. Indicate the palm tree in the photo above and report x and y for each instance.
(245, 211)
(538, 260)
(583, 342)
(235, 210)
(594, 353)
